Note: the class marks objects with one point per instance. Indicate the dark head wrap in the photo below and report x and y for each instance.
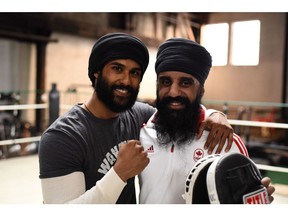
(117, 46)
(179, 54)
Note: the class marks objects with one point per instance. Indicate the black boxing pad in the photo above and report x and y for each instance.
(195, 185)
(225, 179)
(235, 179)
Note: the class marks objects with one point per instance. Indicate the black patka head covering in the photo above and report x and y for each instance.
(117, 46)
(179, 54)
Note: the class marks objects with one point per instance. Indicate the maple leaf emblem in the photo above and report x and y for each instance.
(198, 153)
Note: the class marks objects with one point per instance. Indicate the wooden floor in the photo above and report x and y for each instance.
(20, 184)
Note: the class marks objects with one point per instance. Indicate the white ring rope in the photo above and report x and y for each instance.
(272, 168)
(20, 140)
(257, 123)
(31, 106)
(23, 106)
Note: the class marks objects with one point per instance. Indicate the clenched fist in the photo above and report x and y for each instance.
(131, 159)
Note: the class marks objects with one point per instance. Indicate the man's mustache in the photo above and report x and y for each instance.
(123, 87)
(178, 99)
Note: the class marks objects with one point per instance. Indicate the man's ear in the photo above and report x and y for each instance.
(96, 75)
(202, 91)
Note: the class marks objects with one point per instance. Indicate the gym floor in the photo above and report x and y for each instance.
(20, 183)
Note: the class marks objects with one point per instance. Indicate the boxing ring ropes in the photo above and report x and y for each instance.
(66, 107)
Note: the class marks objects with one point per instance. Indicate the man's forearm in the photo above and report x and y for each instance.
(71, 189)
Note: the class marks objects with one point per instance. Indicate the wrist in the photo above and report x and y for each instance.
(120, 174)
(216, 111)
(210, 112)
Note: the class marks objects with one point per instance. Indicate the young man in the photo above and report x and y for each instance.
(169, 136)
(80, 155)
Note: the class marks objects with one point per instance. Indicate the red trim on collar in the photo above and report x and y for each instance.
(201, 118)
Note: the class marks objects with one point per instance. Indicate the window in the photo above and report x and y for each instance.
(244, 46)
(214, 37)
(245, 43)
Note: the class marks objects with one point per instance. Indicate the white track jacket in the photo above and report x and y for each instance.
(163, 180)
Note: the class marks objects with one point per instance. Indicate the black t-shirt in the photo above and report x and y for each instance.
(78, 141)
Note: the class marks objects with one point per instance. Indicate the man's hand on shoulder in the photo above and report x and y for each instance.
(220, 130)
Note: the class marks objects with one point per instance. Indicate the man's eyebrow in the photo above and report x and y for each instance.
(187, 78)
(117, 63)
(122, 65)
(163, 77)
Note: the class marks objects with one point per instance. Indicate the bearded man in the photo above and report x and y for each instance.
(170, 135)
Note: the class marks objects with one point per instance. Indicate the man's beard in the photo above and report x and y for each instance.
(114, 102)
(177, 126)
